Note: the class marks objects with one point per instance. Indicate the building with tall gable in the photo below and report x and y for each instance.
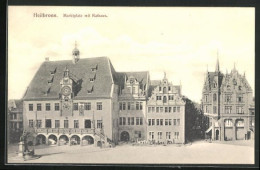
(227, 102)
(132, 99)
(165, 113)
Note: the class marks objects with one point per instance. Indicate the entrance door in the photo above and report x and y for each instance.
(87, 123)
(48, 123)
(124, 136)
(217, 134)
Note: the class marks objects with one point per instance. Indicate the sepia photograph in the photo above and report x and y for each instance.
(130, 85)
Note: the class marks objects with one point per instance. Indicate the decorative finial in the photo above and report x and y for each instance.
(217, 64)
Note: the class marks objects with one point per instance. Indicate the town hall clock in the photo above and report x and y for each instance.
(66, 90)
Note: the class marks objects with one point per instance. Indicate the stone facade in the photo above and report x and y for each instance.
(166, 114)
(227, 101)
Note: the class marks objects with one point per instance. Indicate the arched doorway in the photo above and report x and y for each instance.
(40, 139)
(75, 140)
(124, 136)
(63, 140)
(87, 140)
(217, 134)
(52, 140)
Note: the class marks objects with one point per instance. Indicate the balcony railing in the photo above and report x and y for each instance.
(62, 130)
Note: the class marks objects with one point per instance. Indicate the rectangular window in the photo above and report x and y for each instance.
(76, 123)
(149, 122)
(153, 122)
(120, 121)
(57, 123)
(128, 121)
(170, 122)
(137, 121)
(228, 109)
(174, 109)
(87, 106)
(168, 135)
(141, 121)
(161, 122)
(161, 109)
(57, 106)
(228, 97)
(30, 123)
(159, 135)
(240, 98)
(151, 135)
(153, 109)
(176, 135)
(170, 109)
(206, 98)
(47, 106)
(138, 134)
(120, 106)
(124, 120)
(157, 122)
(132, 106)
(39, 123)
(99, 124)
(137, 106)
(128, 106)
(178, 109)
(166, 109)
(99, 105)
(124, 106)
(158, 97)
(170, 97)
(75, 106)
(141, 105)
(239, 110)
(157, 109)
(174, 122)
(66, 123)
(30, 107)
(166, 122)
(39, 107)
(132, 121)
(149, 109)
(214, 109)
(178, 122)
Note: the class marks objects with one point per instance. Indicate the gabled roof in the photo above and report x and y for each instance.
(141, 77)
(15, 105)
(80, 72)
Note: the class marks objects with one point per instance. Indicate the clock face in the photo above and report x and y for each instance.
(66, 90)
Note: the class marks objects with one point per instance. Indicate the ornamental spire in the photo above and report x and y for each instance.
(217, 64)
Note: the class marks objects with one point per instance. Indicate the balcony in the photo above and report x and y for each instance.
(62, 130)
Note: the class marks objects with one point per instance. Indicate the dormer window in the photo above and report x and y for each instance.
(239, 87)
(94, 68)
(91, 79)
(160, 88)
(50, 79)
(169, 88)
(53, 71)
(90, 89)
(228, 87)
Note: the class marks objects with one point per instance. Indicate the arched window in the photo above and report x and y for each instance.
(164, 99)
(164, 89)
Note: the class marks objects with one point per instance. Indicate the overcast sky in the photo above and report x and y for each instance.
(180, 41)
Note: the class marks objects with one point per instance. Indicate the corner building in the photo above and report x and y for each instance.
(227, 102)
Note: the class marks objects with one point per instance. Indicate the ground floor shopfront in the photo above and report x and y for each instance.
(230, 128)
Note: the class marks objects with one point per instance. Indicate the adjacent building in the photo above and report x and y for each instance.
(227, 102)
(15, 120)
(165, 113)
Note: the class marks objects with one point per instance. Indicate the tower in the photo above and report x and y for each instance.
(75, 54)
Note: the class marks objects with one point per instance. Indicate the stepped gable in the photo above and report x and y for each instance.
(46, 82)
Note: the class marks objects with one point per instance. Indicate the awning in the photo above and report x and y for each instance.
(209, 129)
